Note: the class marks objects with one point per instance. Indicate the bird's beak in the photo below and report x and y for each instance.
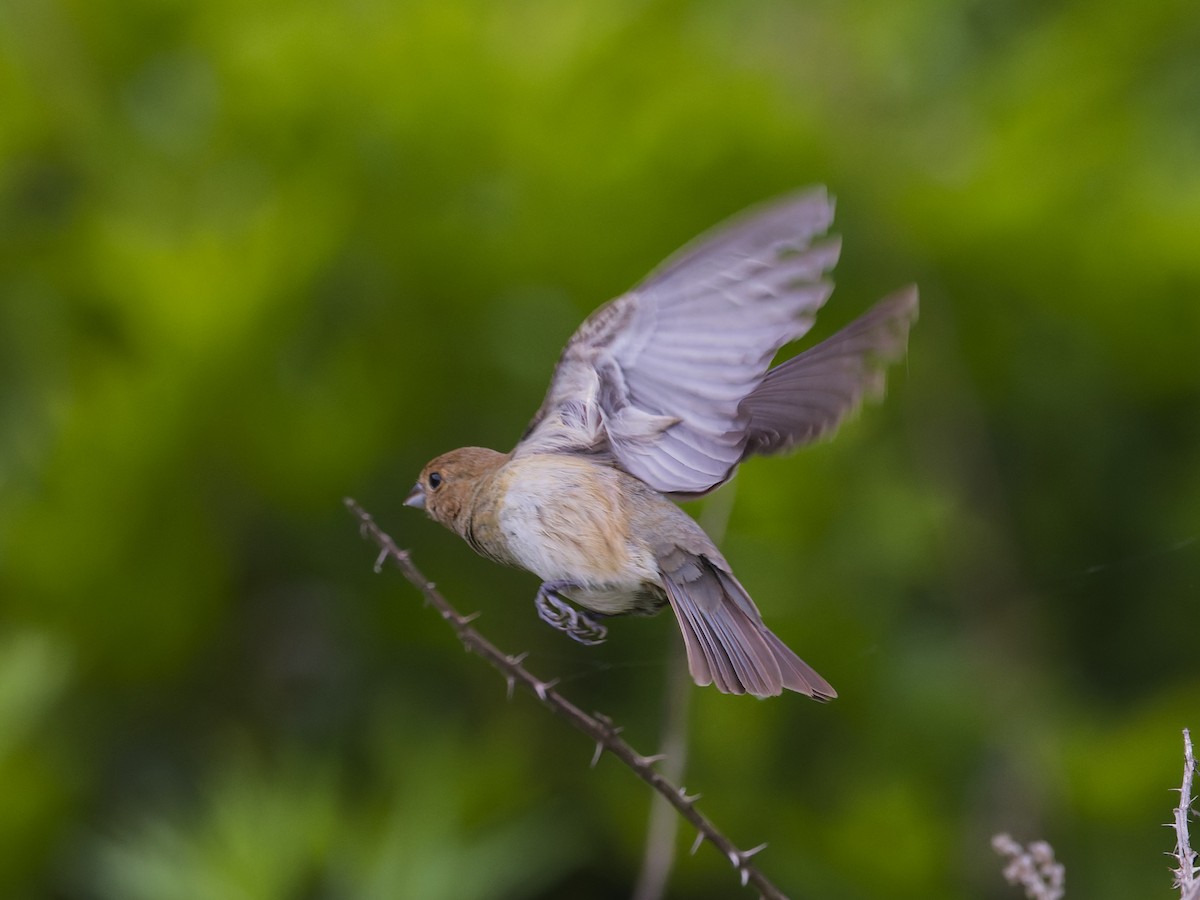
(416, 497)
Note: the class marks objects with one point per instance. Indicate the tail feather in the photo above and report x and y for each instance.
(726, 640)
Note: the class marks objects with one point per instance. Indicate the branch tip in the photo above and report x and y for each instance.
(1034, 868)
(1185, 870)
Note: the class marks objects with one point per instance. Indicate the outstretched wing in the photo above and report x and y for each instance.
(807, 397)
(655, 379)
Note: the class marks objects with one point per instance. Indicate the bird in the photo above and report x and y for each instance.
(658, 397)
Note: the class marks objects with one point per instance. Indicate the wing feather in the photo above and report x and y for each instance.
(808, 396)
(733, 292)
(658, 380)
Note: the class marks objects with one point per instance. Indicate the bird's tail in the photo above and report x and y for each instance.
(727, 642)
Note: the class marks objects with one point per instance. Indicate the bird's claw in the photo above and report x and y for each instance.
(574, 623)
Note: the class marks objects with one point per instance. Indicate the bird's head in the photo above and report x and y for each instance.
(447, 484)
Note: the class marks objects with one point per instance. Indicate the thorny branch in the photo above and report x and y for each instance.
(1185, 857)
(1035, 869)
(598, 727)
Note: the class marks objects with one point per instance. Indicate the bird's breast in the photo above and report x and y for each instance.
(565, 518)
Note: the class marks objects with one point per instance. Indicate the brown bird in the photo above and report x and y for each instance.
(660, 394)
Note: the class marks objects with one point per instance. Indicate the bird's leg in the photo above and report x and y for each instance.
(553, 609)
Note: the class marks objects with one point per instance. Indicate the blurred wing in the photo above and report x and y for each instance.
(808, 396)
(655, 379)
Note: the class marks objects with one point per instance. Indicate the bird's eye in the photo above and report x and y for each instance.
(435, 480)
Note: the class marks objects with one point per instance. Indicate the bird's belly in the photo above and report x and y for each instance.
(564, 532)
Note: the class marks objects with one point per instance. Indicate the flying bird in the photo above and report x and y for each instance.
(659, 396)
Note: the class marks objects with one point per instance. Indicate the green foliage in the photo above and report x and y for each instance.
(255, 257)
(297, 828)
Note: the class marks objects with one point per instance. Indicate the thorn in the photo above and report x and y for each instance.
(544, 687)
(469, 618)
(380, 560)
(745, 875)
(686, 797)
(697, 842)
(651, 760)
(518, 659)
(746, 854)
(598, 753)
(604, 720)
(512, 684)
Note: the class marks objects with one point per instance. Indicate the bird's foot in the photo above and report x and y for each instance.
(554, 610)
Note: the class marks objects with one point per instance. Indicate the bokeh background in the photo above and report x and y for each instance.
(258, 257)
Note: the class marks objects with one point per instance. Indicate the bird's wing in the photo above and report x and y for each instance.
(655, 378)
(807, 397)
(727, 643)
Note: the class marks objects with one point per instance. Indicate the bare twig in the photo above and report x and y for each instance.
(1033, 869)
(1186, 870)
(597, 727)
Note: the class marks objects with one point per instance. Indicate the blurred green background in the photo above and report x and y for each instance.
(257, 257)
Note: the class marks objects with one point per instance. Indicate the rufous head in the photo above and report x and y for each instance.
(447, 484)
